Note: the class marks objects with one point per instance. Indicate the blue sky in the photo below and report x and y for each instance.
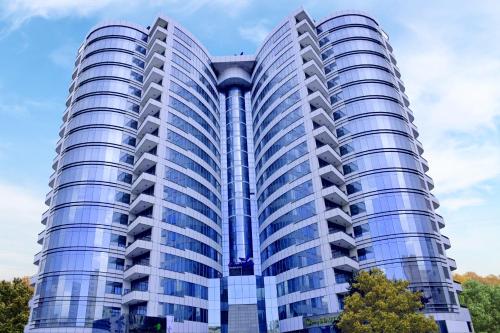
(448, 53)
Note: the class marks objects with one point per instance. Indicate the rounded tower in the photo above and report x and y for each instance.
(82, 260)
(393, 212)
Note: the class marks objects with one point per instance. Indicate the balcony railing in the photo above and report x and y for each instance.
(141, 288)
(139, 263)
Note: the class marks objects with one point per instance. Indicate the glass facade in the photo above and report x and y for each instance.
(82, 260)
(236, 193)
(385, 179)
(238, 185)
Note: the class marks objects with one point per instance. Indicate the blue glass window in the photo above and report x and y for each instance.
(186, 181)
(116, 263)
(301, 283)
(297, 193)
(185, 312)
(357, 208)
(182, 242)
(184, 200)
(174, 263)
(296, 237)
(186, 162)
(301, 259)
(184, 221)
(113, 288)
(292, 135)
(294, 216)
(181, 288)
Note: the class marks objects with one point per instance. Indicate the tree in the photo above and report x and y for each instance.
(14, 310)
(483, 302)
(493, 280)
(376, 304)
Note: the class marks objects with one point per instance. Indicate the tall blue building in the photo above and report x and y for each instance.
(236, 193)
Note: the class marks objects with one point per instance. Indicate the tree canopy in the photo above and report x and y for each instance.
(493, 280)
(483, 302)
(376, 304)
(14, 310)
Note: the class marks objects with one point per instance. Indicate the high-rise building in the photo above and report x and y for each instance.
(236, 193)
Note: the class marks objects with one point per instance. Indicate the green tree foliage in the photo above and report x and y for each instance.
(483, 301)
(14, 310)
(376, 304)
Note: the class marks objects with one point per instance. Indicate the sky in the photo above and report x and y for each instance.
(448, 52)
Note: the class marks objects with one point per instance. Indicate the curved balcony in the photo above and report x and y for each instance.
(420, 148)
(325, 136)
(314, 84)
(48, 197)
(41, 236)
(52, 179)
(45, 216)
(36, 259)
(338, 216)
(429, 181)
(153, 91)
(330, 173)
(335, 195)
(329, 155)
(155, 75)
(452, 263)
(320, 117)
(137, 271)
(435, 201)
(318, 101)
(414, 130)
(138, 247)
(158, 33)
(135, 296)
(140, 224)
(345, 263)
(311, 68)
(342, 239)
(157, 46)
(145, 162)
(439, 219)
(157, 60)
(148, 142)
(143, 182)
(151, 107)
(306, 39)
(304, 27)
(308, 54)
(55, 163)
(425, 164)
(149, 125)
(446, 242)
(142, 202)
(59, 145)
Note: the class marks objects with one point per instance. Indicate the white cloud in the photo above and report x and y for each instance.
(474, 243)
(255, 33)
(457, 166)
(20, 213)
(456, 100)
(64, 56)
(15, 13)
(457, 203)
(19, 106)
(228, 7)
